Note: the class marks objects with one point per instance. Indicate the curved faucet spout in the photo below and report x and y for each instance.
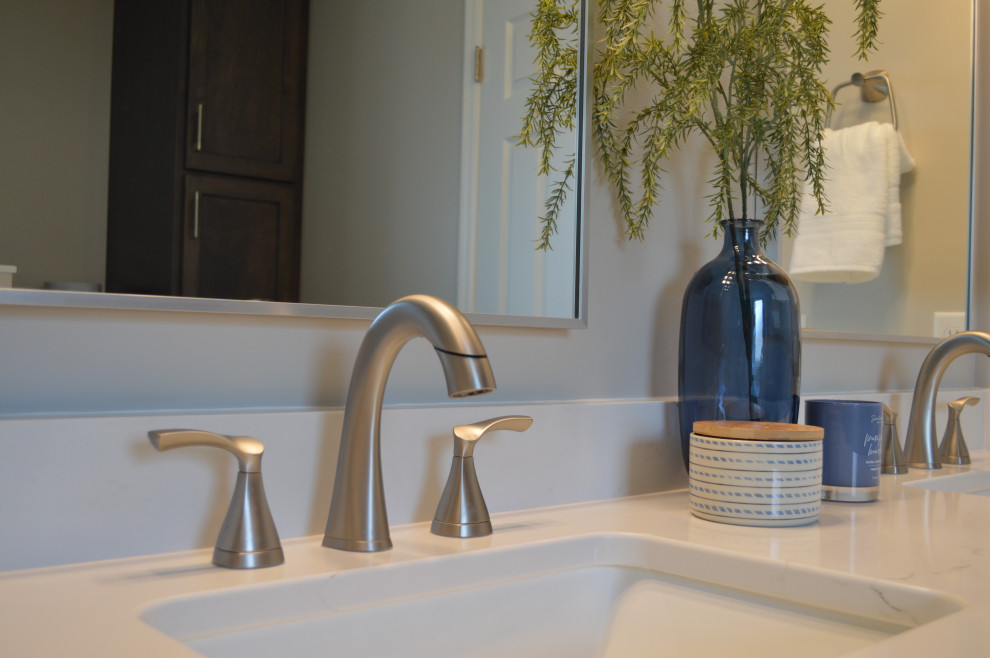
(920, 444)
(358, 520)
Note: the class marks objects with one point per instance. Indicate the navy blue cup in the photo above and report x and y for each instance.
(850, 449)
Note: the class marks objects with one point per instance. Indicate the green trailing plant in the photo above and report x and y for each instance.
(744, 75)
(551, 107)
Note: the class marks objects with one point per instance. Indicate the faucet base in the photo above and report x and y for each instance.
(461, 530)
(357, 545)
(248, 559)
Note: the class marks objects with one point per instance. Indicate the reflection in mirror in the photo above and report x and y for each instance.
(922, 286)
(426, 188)
(412, 180)
(55, 129)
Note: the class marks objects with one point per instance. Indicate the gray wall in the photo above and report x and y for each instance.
(54, 139)
(366, 219)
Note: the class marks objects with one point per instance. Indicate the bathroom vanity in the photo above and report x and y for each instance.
(905, 576)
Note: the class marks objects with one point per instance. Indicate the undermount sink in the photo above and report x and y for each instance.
(607, 595)
(974, 482)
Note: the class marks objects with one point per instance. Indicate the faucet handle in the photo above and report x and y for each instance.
(892, 457)
(953, 448)
(247, 539)
(964, 402)
(248, 450)
(462, 511)
(466, 436)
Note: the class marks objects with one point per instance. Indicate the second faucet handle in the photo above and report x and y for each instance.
(462, 511)
(892, 458)
(953, 449)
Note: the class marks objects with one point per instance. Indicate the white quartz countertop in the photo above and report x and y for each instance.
(914, 536)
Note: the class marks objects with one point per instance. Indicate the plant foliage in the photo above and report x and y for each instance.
(745, 75)
(551, 107)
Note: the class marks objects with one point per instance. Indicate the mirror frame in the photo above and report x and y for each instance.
(118, 302)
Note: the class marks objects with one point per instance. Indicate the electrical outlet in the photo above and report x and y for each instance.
(949, 322)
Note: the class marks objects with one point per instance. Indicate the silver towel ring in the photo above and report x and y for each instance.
(874, 87)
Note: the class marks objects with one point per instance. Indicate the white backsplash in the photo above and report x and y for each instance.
(76, 489)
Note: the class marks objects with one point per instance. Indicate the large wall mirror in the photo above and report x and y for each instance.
(413, 181)
(54, 97)
(922, 286)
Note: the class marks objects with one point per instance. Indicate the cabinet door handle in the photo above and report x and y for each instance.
(195, 226)
(199, 127)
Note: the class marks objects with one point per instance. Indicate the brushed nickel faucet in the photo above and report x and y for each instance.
(358, 520)
(920, 444)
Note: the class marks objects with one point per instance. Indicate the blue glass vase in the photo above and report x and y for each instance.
(740, 346)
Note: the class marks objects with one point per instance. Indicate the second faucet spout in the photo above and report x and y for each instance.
(920, 444)
(358, 519)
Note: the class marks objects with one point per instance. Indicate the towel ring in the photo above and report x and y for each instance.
(874, 87)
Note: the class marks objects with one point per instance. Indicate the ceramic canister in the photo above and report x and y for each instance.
(755, 473)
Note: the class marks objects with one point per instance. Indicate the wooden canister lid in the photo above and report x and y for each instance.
(759, 431)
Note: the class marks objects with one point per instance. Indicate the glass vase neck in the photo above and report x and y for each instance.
(742, 234)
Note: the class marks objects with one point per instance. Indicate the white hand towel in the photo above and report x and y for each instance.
(899, 162)
(864, 209)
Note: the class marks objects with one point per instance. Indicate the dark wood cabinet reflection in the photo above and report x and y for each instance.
(206, 87)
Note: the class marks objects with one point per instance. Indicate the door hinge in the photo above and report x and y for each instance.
(479, 64)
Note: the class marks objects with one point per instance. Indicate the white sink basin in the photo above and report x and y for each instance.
(974, 482)
(597, 595)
